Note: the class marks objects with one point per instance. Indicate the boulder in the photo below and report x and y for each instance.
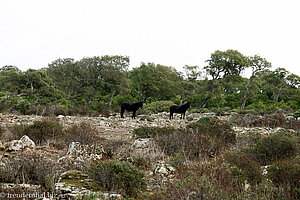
(142, 142)
(79, 154)
(164, 169)
(75, 184)
(18, 145)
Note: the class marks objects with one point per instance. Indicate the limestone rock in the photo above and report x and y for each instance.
(74, 184)
(18, 145)
(78, 154)
(164, 169)
(142, 142)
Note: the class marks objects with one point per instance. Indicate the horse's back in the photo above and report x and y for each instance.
(173, 108)
(125, 106)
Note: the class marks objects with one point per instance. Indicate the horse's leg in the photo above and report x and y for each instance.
(171, 115)
(183, 115)
(133, 114)
(122, 112)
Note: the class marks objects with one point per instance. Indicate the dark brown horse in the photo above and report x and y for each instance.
(179, 109)
(131, 107)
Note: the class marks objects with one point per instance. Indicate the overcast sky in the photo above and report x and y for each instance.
(174, 33)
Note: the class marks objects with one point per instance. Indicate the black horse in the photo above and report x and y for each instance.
(179, 109)
(131, 107)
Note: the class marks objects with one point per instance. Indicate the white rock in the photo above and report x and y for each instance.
(60, 116)
(75, 148)
(164, 169)
(27, 142)
(265, 169)
(18, 145)
(142, 143)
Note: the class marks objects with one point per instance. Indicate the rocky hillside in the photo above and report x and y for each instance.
(71, 157)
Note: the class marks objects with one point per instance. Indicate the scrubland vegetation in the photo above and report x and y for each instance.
(212, 158)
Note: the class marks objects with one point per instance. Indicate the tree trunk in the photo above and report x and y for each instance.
(111, 98)
(244, 102)
(245, 97)
(276, 95)
(204, 102)
(181, 100)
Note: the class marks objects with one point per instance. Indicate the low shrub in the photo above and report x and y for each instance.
(206, 137)
(147, 118)
(214, 180)
(249, 168)
(142, 162)
(39, 131)
(30, 169)
(214, 128)
(118, 176)
(192, 145)
(149, 132)
(111, 147)
(296, 114)
(158, 106)
(83, 133)
(177, 160)
(286, 174)
(268, 120)
(209, 180)
(78, 110)
(275, 147)
(293, 124)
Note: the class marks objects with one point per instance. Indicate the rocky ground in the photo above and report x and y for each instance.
(111, 128)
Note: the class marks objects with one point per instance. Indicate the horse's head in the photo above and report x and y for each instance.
(188, 104)
(141, 104)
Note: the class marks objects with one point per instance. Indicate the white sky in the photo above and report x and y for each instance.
(175, 33)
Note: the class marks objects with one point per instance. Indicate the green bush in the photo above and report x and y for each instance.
(191, 144)
(83, 133)
(249, 168)
(158, 106)
(177, 160)
(286, 175)
(296, 114)
(214, 128)
(206, 137)
(214, 180)
(118, 176)
(39, 131)
(268, 120)
(208, 180)
(275, 147)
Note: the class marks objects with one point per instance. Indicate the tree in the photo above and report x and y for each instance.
(89, 76)
(225, 68)
(156, 81)
(65, 74)
(10, 79)
(257, 64)
(192, 72)
(226, 63)
(38, 84)
(113, 74)
(275, 82)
